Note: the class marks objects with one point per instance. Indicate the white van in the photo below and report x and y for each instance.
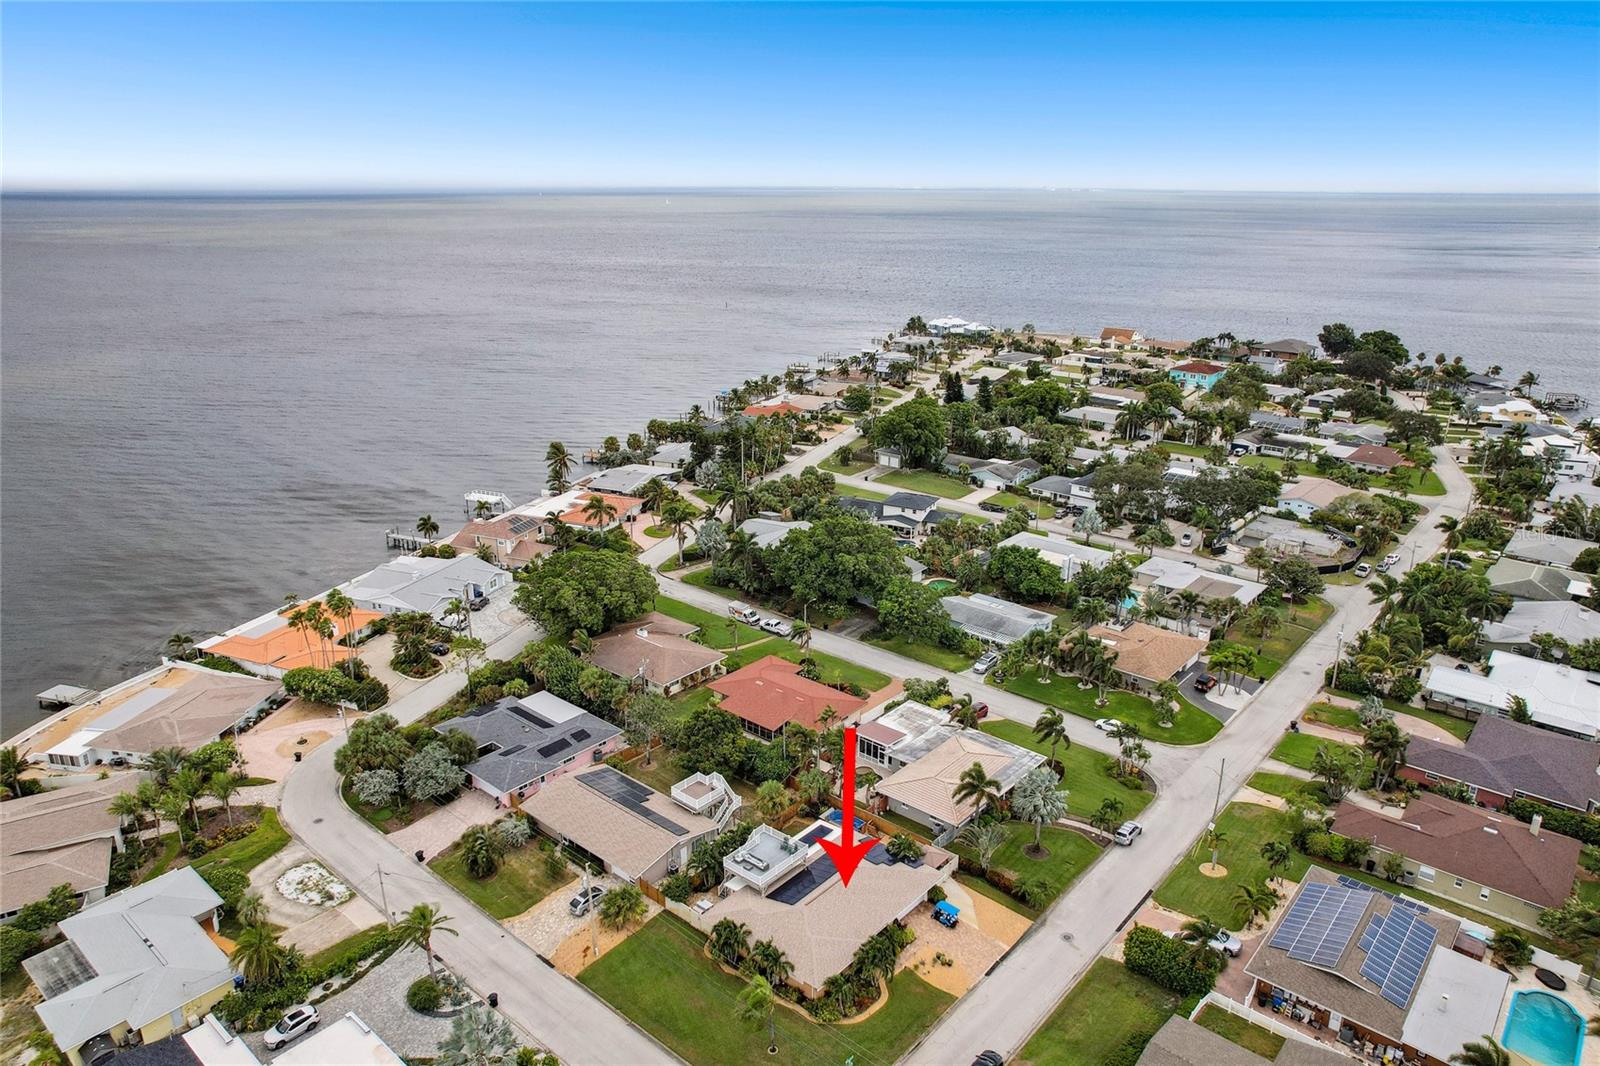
(744, 612)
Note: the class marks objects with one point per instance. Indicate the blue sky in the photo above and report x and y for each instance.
(1308, 96)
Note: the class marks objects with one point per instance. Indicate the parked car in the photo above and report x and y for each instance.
(1204, 683)
(1224, 941)
(744, 612)
(1388, 561)
(1063, 512)
(1363, 570)
(1239, 449)
(439, 647)
(1458, 564)
(778, 626)
(1186, 540)
(980, 711)
(1126, 832)
(990, 505)
(297, 1021)
(580, 904)
(477, 603)
(1106, 725)
(988, 1058)
(986, 662)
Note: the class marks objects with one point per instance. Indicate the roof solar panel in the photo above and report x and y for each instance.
(1372, 932)
(522, 524)
(555, 747)
(513, 749)
(1319, 926)
(807, 881)
(1350, 882)
(626, 792)
(580, 734)
(1398, 955)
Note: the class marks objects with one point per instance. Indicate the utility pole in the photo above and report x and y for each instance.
(594, 943)
(383, 897)
(1216, 805)
(1338, 654)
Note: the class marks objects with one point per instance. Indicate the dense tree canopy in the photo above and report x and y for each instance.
(916, 428)
(840, 557)
(586, 589)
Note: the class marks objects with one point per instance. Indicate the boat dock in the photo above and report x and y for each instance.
(57, 696)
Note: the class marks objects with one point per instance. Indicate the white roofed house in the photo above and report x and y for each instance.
(993, 620)
(419, 583)
(1558, 696)
(629, 479)
(1547, 548)
(769, 532)
(1563, 619)
(1070, 555)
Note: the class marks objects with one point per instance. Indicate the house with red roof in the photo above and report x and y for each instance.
(769, 694)
(767, 410)
(1197, 374)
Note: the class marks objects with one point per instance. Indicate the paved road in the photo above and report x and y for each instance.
(1007, 1006)
(560, 1013)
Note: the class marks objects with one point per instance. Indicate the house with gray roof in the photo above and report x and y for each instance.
(420, 583)
(1534, 581)
(993, 620)
(1181, 1042)
(1548, 548)
(62, 836)
(1354, 432)
(906, 514)
(1278, 423)
(141, 963)
(628, 479)
(1503, 760)
(1069, 555)
(1070, 491)
(524, 743)
(769, 532)
(1565, 619)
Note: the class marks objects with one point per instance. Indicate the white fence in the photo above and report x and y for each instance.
(1255, 1017)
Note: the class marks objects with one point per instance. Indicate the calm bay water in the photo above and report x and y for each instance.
(209, 403)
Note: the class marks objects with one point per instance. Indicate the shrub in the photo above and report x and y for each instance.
(15, 945)
(375, 788)
(937, 894)
(1404, 688)
(229, 882)
(902, 848)
(1168, 962)
(1584, 827)
(1034, 891)
(1130, 1050)
(226, 835)
(678, 887)
(41, 914)
(513, 831)
(424, 995)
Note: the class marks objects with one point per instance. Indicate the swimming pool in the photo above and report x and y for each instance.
(941, 584)
(1545, 1028)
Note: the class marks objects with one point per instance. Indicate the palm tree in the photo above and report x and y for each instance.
(259, 955)
(179, 645)
(755, 1005)
(223, 787)
(1262, 621)
(679, 516)
(1278, 855)
(1212, 840)
(188, 785)
(481, 849)
(170, 807)
(1051, 728)
(1485, 1052)
(964, 713)
(419, 926)
(984, 840)
(163, 763)
(342, 607)
(558, 463)
(1257, 900)
(730, 940)
(599, 510)
(12, 764)
(1200, 932)
(768, 960)
(623, 906)
(425, 526)
(126, 806)
(975, 786)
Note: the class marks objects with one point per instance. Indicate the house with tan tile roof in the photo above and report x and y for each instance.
(922, 790)
(656, 651)
(1148, 655)
(1479, 858)
(269, 645)
(62, 836)
(514, 538)
(769, 693)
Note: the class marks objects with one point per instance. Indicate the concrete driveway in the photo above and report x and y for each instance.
(443, 827)
(1217, 703)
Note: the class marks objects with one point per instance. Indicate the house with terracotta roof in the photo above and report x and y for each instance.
(1372, 458)
(1197, 374)
(270, 646)
(1503, 760)
(770, 410)
(1148, 655)
(655, 651)
(769, 694)
(1481, 859)
(1121, 337)
(922, 790)
(514, 538)
(64, 836)
(622, 509)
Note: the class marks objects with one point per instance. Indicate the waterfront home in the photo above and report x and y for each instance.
(673, 454)
(772, 410)
(1070, 555)
(769, 694)
(921, 790)
(1504, 760)
(655, 652)
(1118, 337)
(1534, 581)
(1487, 861)
(174, 705)
(1335, 953)
(1148, 655)
(1506, 412)
(514, 538)
(1563, 619)
(1173, 348)
(1559, 697)
(626, 480)
(1307, 496)
(1288, 349)
(1197, 374)
(63, 836)
(523, 744)
(421, 583)
(271, 647)
(136, 966)
(993, 620)
(1547, 548)
(631, 829)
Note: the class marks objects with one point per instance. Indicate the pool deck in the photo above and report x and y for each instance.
(1579, 998)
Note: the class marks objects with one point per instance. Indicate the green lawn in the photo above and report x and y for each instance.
(1106, 1009)
(1427, 484)
(943, 658)
(1241, 1031)
(1177, 448)
(388, 819)
(249, 852)
(934, 484)
(1070, 854)
(1246, 826)
(1192, 725)
(861, 494)
(1008, 500)
(834, 670)
(1457, 727)
(1298, 749)
(686, 703)
(1284, 785)
(1272, 653)
(702, 579)
(658, 531)
(1269, 462)
(662, 982)
(838, 464)
(1087, 772)
(368, 940)
(714, 631)
(1338, 717)
(519, 884)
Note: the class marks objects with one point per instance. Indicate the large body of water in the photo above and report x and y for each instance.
(210, 403)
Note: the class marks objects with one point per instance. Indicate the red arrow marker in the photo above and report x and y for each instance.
(848, 853)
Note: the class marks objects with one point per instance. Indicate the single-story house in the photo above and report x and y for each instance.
(1266, 442)
(1506, 411)
(1284, 537)
(673, 454)
(1277, 423)
(1114, 398)
(1181, 1042)
(1503, 760)
(993, 620)
(1068, 491)
(1481, 859)
(1102, 418)
(769, 694)
(1559, 697)
(656, 651)
(1325, 400)
(1353, 432)
(1288, 348)
(1070, 555)
(1280, 393)
(1535, 581)
(270, 646)
(769, 532)
(1271, 365)
(524, 744)
(772, 410)
(344, 1039)
(1335, 952)
(1311, 494)
(1575, 490)
(1373, 458)
(1006, 474)
(64, 836)
(139, 964)
(921, 790)
(1148, 655)
(1172, 576)
(627, 480)
(419, 583)
(1570, 621)
(175, 705)
(633, 830)
(1013, 358)
(1548, 548)
(1197, 374)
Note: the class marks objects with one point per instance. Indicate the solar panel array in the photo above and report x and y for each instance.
(626, 792)
(1320, 924)
(555, 747)
(1372, 932)
(521, 524)
(1399, 952)
(1404, 901)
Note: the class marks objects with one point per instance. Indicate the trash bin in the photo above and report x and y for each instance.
(297, 756)
(494, 999)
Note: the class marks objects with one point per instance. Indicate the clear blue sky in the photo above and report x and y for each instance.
(1311, 96)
